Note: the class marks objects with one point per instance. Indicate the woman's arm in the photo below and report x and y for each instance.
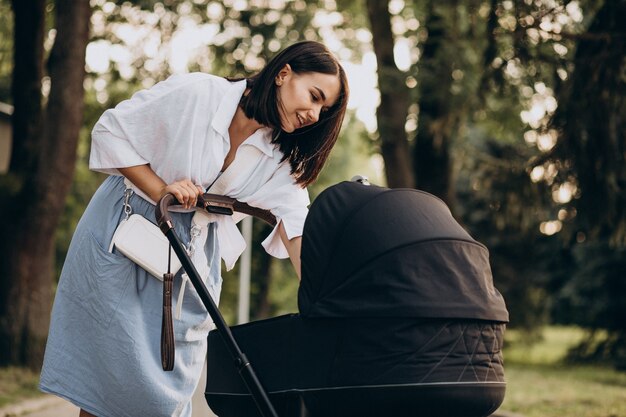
(143, 177)
(293, 248)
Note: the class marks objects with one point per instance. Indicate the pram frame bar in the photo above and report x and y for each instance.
(223, 206)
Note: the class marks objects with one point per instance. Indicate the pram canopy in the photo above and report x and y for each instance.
(370, 251)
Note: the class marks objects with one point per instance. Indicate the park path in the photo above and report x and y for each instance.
(51, 406)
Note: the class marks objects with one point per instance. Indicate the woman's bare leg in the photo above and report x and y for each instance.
(83, 413)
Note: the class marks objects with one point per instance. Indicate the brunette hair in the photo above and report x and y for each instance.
(307, 149)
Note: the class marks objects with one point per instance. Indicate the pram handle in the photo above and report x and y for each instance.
(213, 203)
(220, 205)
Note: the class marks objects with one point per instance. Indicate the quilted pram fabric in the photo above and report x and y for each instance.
(398, 317)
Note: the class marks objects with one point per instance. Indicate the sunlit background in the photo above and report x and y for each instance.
(145, 34)
(511, 111)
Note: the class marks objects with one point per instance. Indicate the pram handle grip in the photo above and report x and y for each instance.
(164, 220)
(213, 203)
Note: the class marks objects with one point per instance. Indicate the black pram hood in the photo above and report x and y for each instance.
(370, 251)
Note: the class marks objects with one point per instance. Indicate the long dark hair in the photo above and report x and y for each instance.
(307, 149)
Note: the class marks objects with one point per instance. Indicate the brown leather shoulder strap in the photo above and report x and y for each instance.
(217, 202)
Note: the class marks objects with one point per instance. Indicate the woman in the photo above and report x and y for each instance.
(270, 136)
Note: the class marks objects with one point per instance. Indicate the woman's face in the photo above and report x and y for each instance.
(302, 97)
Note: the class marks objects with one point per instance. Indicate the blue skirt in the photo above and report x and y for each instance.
(103, 349)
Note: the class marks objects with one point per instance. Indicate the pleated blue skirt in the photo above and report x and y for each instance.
(103, 349)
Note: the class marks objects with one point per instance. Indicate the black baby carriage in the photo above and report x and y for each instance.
(398, 317)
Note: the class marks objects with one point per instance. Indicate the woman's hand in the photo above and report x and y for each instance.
(185, 191)
(143, 177)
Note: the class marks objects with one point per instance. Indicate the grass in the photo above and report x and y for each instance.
(17, 384)
(539, 384)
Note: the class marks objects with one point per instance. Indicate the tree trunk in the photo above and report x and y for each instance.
(41, 171)
(592, 121)
(394, 100)
(432, 163)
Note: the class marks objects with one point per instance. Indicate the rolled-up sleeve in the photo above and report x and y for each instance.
(109, 152)
(292, 216)
(131, 133)
(287, 201)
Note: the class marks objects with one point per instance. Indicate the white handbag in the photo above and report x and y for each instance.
(143, 242)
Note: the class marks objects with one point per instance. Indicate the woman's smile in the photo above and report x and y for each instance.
(303, 97)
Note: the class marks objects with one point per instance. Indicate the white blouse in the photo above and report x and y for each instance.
(180, 127)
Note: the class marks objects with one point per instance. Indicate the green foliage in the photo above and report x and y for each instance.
(594, 296)
(541, 384)
(6, 50)
(526, 70)
(548, 346)
(500, 209)
(353, 155)
(591, 126)
(17, 384)
(556, 391)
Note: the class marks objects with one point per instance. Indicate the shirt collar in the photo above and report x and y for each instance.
(260, 139)
(227, 107)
